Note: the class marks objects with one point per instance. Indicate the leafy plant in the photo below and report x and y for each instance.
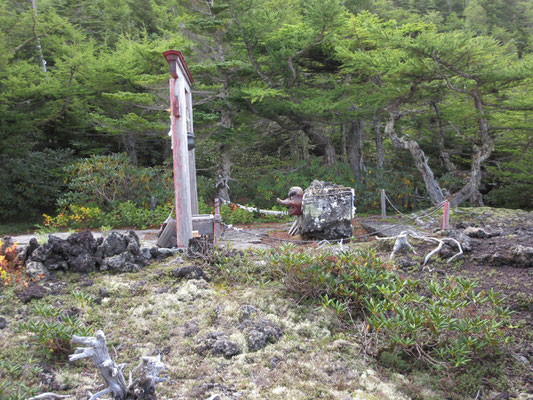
(53, 330)
(11, 268)
(447, 323)
(103, 181)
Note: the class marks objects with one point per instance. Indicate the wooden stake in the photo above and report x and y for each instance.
(446, 215)
(215, 221)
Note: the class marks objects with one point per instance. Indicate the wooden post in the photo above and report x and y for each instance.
(179, 86)
(192, 156)
(446, 215)
(383, 204)
(215, 222)
(180, 157)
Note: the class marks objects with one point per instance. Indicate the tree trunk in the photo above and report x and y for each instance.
(471, 188)
(130, 145)
(224, 174)
(378, 137)
(355, 148)
(322, 142)
(443, 154)
(432, 186)
(37, 38)
(344, 143)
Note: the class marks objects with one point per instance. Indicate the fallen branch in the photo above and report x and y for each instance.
(401, 242)
(50, 396)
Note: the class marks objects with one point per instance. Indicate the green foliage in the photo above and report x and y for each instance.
(447, 323)
(53, 329)
(105, 181)
(235, 216)
(261, 184)
(31, 184)
(120, 215)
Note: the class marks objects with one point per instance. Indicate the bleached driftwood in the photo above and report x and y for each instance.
(50, 396)
(143, 387)
(402, 242)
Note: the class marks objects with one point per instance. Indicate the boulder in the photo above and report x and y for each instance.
(327, 211)
(189, 272)
(36, 270)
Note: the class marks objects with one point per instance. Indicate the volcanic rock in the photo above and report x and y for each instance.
(327, 211)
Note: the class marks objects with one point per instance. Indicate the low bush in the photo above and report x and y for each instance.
(11, 269)
(53, 329)
(447, 322)
(122, 215)
(104, 181)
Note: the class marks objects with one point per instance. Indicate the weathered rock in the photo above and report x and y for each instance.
(260, 334)
(123, 262)
(190, 272)
(36, 270)
(81, 253)
(475, 232)
(81, 243)
(327, 211)
(246, 312)
(523, 256)
(33, 291)
(462, 238)
(29, 249)
(191, 328)
(163, 252)
(42, 252)
(219, 345)
(83, 263)
(112, 245)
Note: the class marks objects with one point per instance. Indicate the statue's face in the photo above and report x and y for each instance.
(295, 191)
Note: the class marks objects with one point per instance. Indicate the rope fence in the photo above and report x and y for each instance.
(335, 241)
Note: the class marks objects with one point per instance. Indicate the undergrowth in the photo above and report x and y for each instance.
(446, 323)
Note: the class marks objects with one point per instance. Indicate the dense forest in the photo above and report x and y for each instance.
(426, 99)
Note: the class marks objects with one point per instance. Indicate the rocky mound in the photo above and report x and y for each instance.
(81, 252)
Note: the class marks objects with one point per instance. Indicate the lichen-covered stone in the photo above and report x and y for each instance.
(219, 345)
(327, 211)
(260, 333)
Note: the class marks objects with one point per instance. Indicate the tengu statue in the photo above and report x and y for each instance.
(294, 201)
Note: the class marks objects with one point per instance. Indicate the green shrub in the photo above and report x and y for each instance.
(30, 185)
(105, 181)
(121, 215)
(53, 329)
(443, 322)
